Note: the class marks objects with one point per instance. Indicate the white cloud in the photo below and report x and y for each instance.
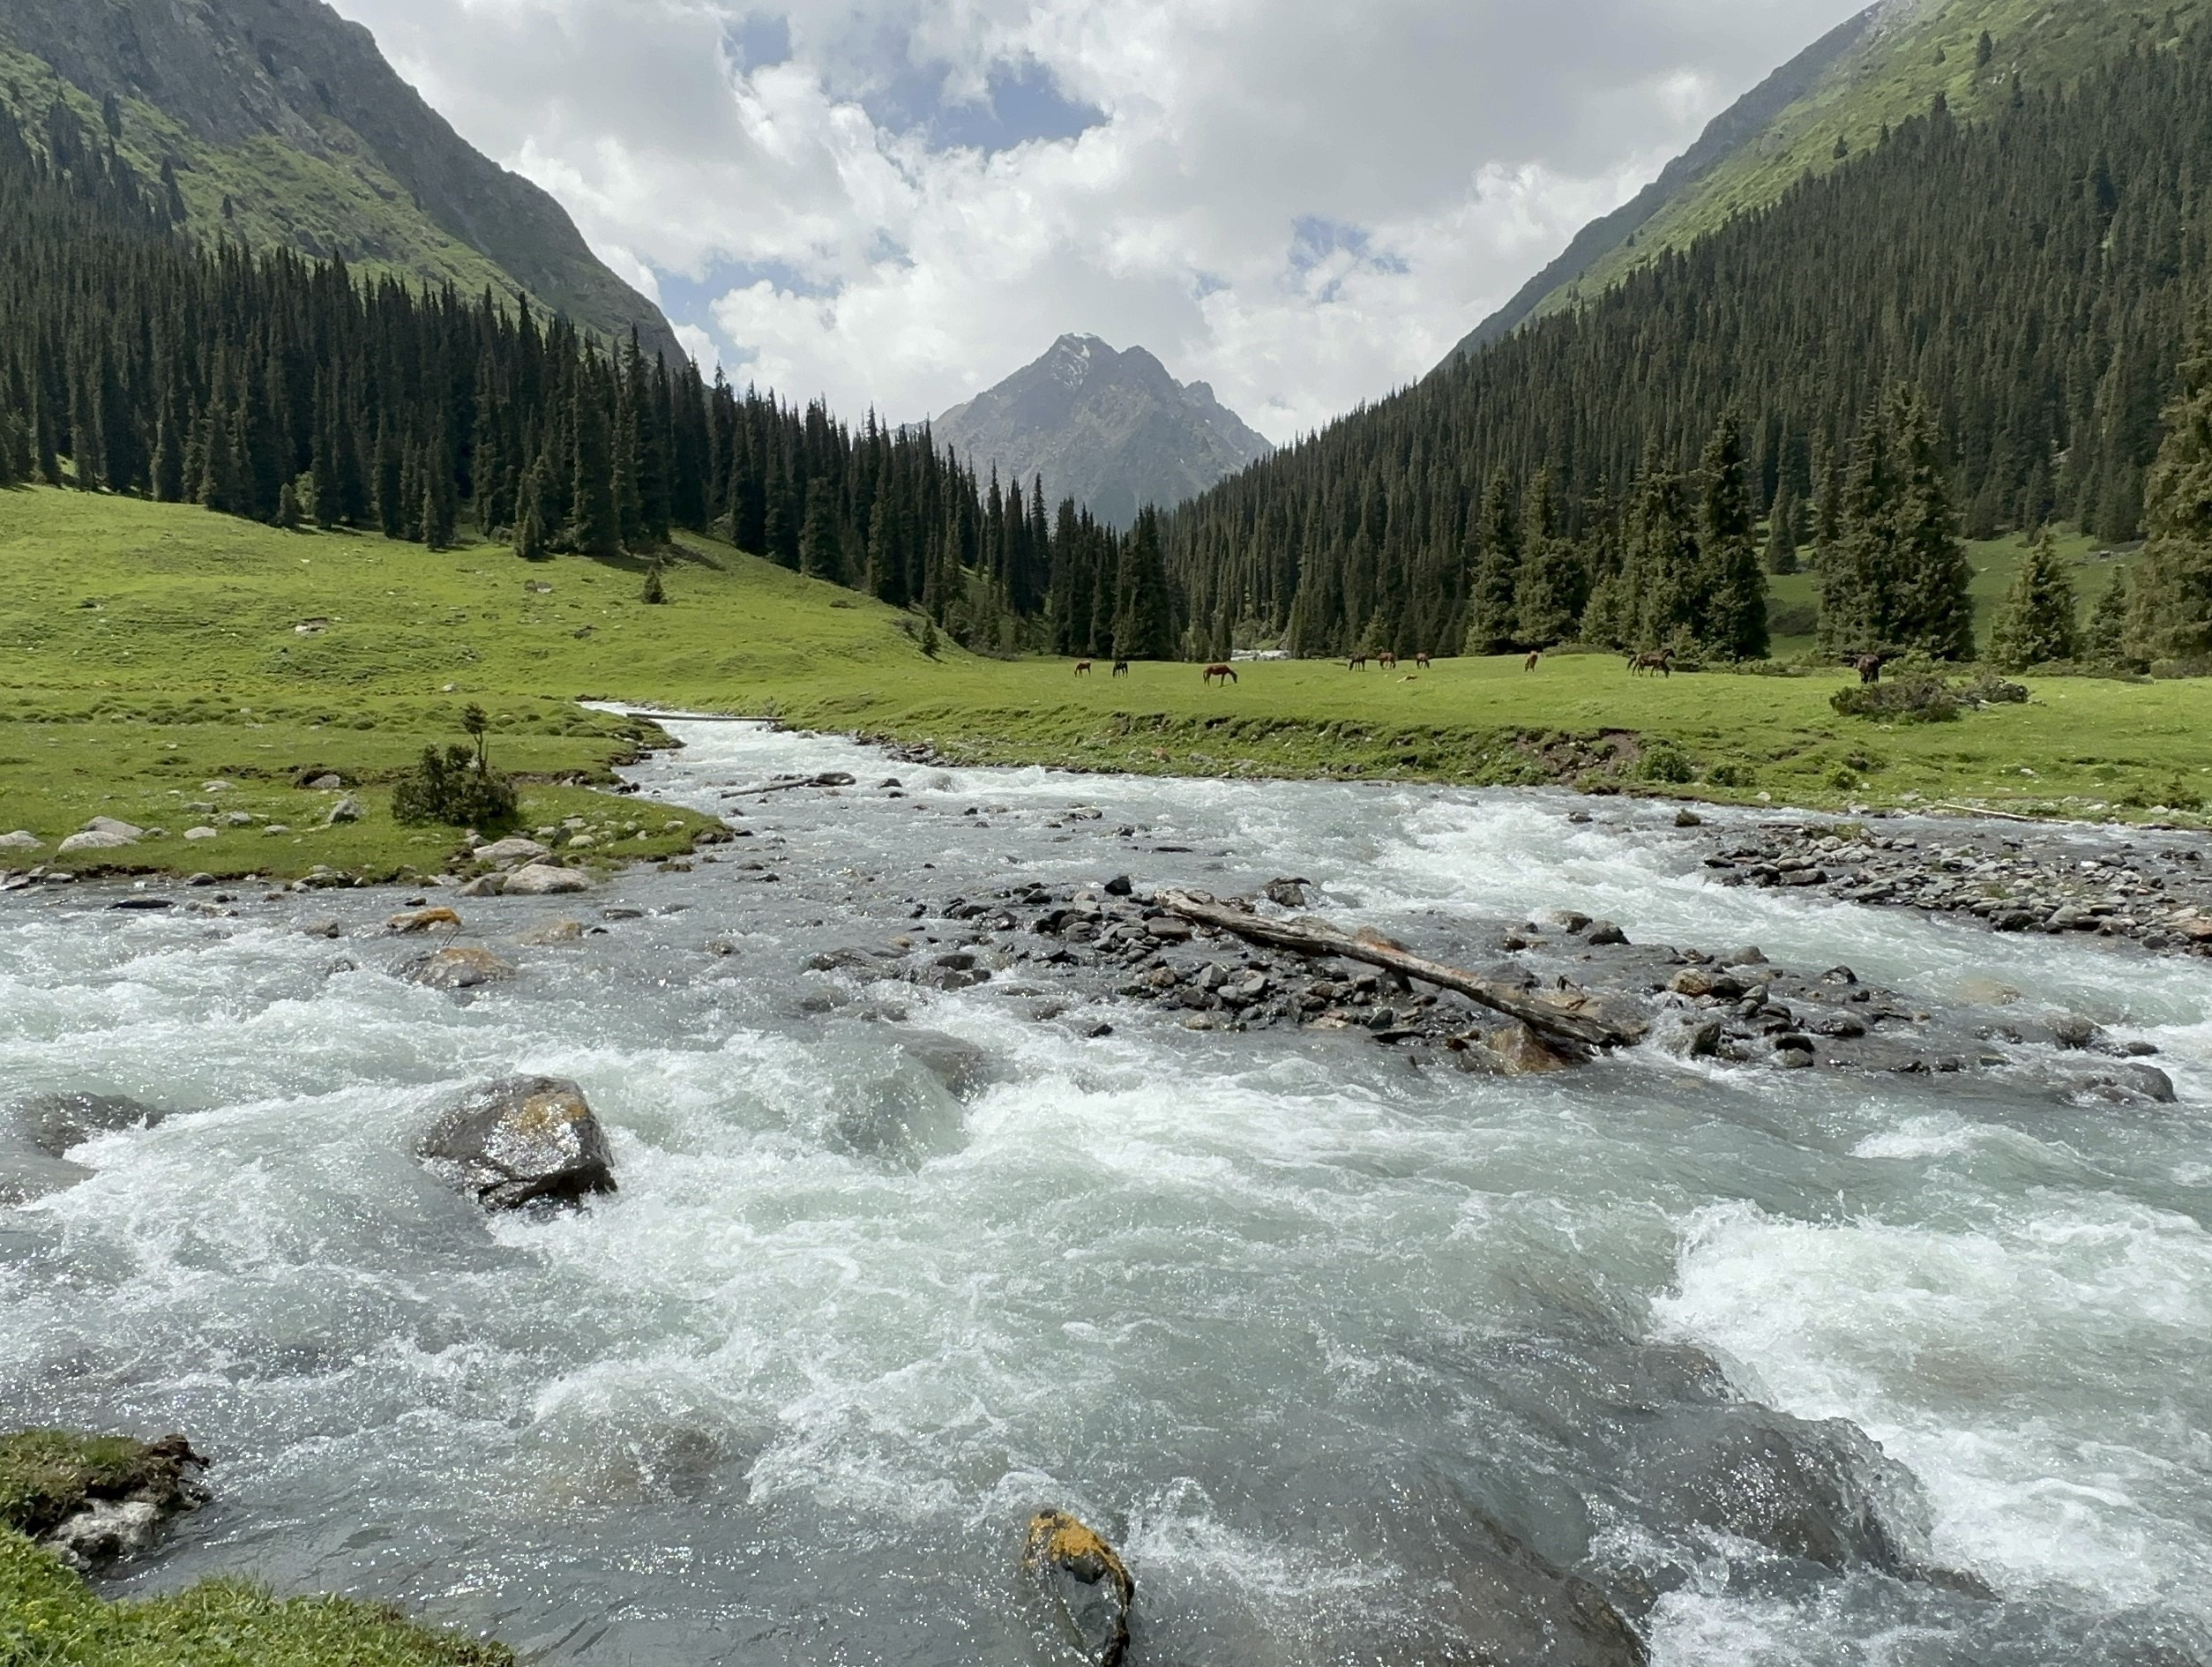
(1303, 203)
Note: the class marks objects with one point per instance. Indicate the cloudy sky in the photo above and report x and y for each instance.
(896, 202)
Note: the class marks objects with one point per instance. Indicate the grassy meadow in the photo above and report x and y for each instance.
(148, 649)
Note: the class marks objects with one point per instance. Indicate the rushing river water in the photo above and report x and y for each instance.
(1272, 1310)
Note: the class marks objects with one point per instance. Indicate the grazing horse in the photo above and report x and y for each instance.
(1534, 659)
(1660, 659)
(1227, 674)
(1420, 660)
(1121, 668)
(1357, 662)
(1869, 668)
(1082, 667)
(1388, 660)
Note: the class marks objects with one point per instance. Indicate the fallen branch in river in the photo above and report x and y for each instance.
(1572, 1016)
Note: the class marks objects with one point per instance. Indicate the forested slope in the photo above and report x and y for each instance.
(2029, 271)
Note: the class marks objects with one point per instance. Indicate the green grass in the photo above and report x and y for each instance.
(152, 647)
(1896, 78)
(49, 1617)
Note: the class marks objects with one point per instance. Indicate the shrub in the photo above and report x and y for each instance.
(1664, 762)
(456, 787)
(1732, 775)
(1918, 699)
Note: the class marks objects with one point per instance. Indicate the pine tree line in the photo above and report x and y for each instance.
(284, 390)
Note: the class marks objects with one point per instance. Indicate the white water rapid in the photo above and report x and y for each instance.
(1265, 1308)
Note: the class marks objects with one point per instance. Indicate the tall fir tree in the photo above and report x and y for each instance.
(1734, 608)
(2171, 618)
(2038, 622)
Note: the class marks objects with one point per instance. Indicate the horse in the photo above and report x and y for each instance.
(1660, 659)
(1121, 668)
(1420, 660)
(1869, 668)
(1388, 661)
(1082, 667)
(1227, 674)
(1535, 658)
(1358, 662)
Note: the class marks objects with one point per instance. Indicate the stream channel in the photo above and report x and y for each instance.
(1328, 1342)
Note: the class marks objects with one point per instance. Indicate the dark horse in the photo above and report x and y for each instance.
(1121, 668)
(1358, 662)
(1388, 660)
(1227, 674)
(1082, 667)
(1660, 659)
(1869, 668)
(1420, 660)
(1534, 659)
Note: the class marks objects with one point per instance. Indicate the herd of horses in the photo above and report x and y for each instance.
(1659, 662)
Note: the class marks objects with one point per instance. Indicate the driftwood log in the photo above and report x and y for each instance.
(1572, 1016)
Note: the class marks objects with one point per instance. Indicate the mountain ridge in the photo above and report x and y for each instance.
(1113, 429)
(288, 128)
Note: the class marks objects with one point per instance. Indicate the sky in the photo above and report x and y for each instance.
(894, 204)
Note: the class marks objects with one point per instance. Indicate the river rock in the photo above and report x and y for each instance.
(100, 1500)
(461, 968)
(1521, 1053)
(96, 839)
(421, 919)
(518, 1140)
(558, 931)
(961, 1066)
(21, 840)
(111, 825)
(54, 1122)
(1085, 1583)
(483, 886)
(1603, 933)
(537, 879)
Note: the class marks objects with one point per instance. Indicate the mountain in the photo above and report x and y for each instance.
(282, 125)
(1113, 431)
(2026, 273)
(1835, 100)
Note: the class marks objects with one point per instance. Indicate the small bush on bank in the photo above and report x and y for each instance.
(457, 787)
(1665, 764)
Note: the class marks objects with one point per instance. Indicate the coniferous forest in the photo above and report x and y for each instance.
(1970, 328)
(2026, 278)
(283, 390)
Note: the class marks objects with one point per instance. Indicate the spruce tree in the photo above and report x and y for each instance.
(2172, 614)
(821, 554)
(1144, 618)
(532, 540)
(1734, 608)
(592, 527)
(2104, 641)
(1935, 605)
(1490, 608)
(1782, 536)
(2036, 623)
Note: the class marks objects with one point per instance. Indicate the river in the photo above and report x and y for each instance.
(1265, 1308)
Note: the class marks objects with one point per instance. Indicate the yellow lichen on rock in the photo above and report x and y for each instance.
(423, 919)
(1088, 1580)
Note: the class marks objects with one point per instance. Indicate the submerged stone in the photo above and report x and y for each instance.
(458, 968)
(1085, 1582)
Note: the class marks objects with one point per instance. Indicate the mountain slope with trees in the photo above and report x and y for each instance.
(281, 126)
(1836, 100)
(2026, 274)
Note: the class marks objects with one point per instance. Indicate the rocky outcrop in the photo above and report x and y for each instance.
(95, 1499)
(520, 1140)
(511, 853)
(1084, 1581)
(54, 1122)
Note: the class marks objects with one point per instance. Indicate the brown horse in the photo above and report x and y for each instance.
(1869, 668)
(1082, 667)
(1227, 674)
(1121, 668)
(1420, 660)
(1534, 659)
(1660, 660)
(1358, 662)
(1388, 660)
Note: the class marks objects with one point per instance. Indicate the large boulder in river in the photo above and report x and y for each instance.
(1085, 1582)
(538, 879)
(54, 1122)
(520, 1140)
(510, 853)
(462, 968)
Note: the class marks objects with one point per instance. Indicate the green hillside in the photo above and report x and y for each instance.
(289, 129)
(1874, 74)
